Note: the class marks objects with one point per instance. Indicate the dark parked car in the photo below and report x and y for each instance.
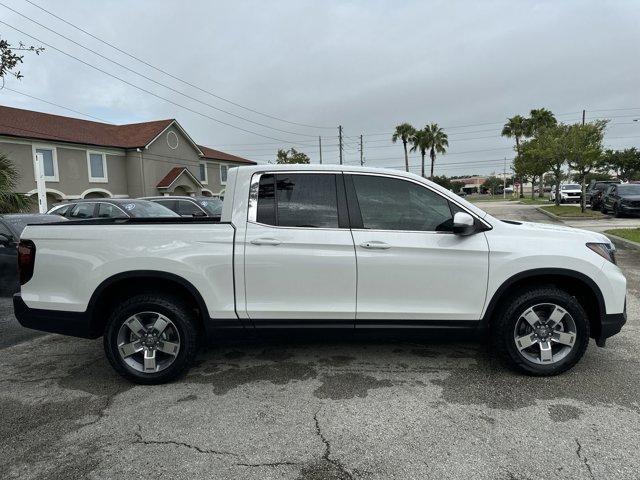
(596, 190)
(11, 227)
(110, 208)
(622, 199)
(191, 206)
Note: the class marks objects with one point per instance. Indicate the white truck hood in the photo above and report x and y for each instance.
(558, 230)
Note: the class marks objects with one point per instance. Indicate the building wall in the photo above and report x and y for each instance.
(159, 158)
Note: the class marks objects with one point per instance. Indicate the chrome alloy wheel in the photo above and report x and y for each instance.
(545, 333)
(148, 342)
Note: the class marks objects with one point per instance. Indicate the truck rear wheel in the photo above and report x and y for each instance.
(151, 339)
(541, 332)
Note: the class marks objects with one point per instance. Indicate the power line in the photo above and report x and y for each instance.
(208, 92)
(143, 89)
(240, 117)
(56, 105)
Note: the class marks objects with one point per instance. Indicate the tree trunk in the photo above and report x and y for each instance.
(432, 154)
(406, 156)
(521, 187)
(423, 153)
(583, 199)
(558, 174)
(541, 186)
(533, 187)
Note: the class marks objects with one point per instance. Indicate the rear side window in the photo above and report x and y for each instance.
(298, 200)
(170, 204)
(395, 204)
(108, 210)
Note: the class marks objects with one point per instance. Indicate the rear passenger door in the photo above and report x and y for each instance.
(83, 210)
(299, 256)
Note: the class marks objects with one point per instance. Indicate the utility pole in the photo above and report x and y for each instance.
(583, 115)
(361, 152)
(504, 180)
(320, 146)
(340, 141)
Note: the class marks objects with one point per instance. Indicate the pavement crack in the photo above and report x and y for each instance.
(140, 440)
(326, 456)
(267, 464)
(584, 458)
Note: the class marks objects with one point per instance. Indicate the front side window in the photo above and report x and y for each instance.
(48, 163)
(189, 209)
(108, 210)
(629, 189)
(395, 204)
(298, 200)
(170, 204)
(223, 174)
(97, 163)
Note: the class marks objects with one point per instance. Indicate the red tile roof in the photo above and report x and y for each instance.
(173, 174)
(212, 154)
(16, 122)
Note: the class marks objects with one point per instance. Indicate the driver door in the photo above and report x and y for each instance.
(411, 266)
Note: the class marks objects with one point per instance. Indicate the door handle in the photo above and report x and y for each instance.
(265, 241)
(374, 245)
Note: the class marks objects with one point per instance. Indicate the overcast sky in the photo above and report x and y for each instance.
(365, 65)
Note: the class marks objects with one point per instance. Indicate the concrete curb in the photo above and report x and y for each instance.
(562, 219)
(623, 241)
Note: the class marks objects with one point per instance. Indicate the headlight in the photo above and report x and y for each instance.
(605, 250)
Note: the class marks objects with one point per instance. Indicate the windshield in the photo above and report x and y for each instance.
(632, 189)
(143, 208)
(571, 186)
(213, 206)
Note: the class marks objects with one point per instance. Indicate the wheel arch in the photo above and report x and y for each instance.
(575, 283)
(144, 281)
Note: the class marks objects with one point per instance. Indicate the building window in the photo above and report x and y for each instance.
(97, 167)
(202, 173)
(223, 174)
(49, 162)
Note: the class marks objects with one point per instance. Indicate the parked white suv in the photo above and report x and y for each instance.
(569, 193)
(321, 246)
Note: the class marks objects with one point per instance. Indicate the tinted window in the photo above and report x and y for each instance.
(108, 210)
(300, 200)
(82, 210)
(211, 205)
(62, 211)
(187, 208)
(571, 186)
(6, 232)
(266, 211)
(170, 204)
(393, 204)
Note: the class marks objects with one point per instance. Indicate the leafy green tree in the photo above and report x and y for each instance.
(291, 156)
(626, 163)
(443, 181)
(404, 132)
(10, 201)
(553, 144)
(493, 184)
(584, 143)
(534, 164)
(456, 187)
(10, 60)
(539, 118)
(437, 142)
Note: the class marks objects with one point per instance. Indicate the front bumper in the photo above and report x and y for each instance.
(610, 325)
(75, 324)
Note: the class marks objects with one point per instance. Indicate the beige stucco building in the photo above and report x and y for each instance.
(84, 159)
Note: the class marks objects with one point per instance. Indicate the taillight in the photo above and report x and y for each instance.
(26, 260)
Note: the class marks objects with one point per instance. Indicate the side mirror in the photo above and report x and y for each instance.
(463, 224)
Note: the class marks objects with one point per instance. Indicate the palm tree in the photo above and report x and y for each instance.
(11, 202)
(540, 118)
(437, 142)
(419, 140)
(516, 127)
(404, 132)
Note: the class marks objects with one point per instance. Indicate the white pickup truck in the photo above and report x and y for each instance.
(321, 246)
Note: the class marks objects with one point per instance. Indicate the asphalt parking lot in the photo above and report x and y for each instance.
(333, 407)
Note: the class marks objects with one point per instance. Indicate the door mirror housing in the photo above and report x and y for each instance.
(463, 224)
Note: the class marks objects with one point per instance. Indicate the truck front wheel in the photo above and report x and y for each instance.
(541, 332)
(151, 339)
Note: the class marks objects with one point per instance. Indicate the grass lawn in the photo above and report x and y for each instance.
(632, 234)
(488, 198)
(571, 211)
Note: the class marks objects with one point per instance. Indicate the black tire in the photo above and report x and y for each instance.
(503, 328)
(182, 318)
(604, 209)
